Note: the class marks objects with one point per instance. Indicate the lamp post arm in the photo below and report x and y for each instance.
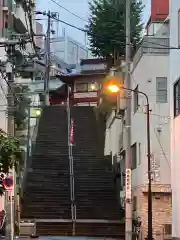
(150, 229)
(132, 90)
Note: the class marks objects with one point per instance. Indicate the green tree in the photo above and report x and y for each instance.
(106, 27)
(22, 103)
(10, 153)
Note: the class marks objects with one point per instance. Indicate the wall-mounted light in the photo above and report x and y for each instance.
(93, 86)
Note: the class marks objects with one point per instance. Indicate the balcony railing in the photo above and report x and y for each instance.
(5, 32)
(5, 4)
(153, 46)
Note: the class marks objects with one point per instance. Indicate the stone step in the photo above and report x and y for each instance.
(82, 229)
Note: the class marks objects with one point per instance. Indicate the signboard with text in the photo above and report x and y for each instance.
(128, 184)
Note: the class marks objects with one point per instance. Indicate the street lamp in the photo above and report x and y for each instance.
(38, 112)
(115, 88)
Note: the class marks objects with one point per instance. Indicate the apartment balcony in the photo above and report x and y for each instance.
(20, 23)
(5, 33)
(5, 5)
(151, 46)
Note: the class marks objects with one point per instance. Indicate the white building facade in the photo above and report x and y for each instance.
(69, 50)
(174, 85)
(149, 75)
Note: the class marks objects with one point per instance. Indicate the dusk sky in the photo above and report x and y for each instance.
(80, 8)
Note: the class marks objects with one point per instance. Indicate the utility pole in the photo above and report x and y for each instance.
(48, 60)
(9, 70)
(128, 160)
(10, 101)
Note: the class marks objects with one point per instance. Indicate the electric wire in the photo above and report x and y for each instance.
(29, 15)
(25, 15)
(58, 4)
(86, 31)
(160, 144)
(9, 86)
(155, 114)
(154, 43)
(70, 25)
(3, 97)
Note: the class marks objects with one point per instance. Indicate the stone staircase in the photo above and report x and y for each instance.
(47, 194)
(95, 192)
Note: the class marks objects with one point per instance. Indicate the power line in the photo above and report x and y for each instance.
(159, 44)
(9, 86)
(155, 114)
(31, 32)
(70, 25)
(162, 149)
(69, 11)
(119, 42)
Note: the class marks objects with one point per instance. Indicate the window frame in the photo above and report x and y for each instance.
(139, 151)
(168, 229)
(134, 148)
(134, 204)
(179, 28)
(136, 98)
(158, 90)
(176, 101)
(81, 91)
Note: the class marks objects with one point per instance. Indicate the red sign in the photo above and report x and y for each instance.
(72, 132)
(8, 183)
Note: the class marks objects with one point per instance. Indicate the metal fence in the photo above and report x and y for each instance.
(158, 234)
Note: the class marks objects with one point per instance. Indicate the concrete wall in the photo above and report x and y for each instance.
(69, 50)
(144, 75)
(113, 135)
(39, 30)
(174, 75)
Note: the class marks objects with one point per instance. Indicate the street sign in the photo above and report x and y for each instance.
(128, 184)
(8, 183)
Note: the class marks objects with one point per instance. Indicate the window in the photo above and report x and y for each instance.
(134, 203)
(177, 98)
(81, 87)
(168, 229)
(134, 156)
(139, 153)
(93, 86)
(161, 89)
(179, 28)
(136, 100)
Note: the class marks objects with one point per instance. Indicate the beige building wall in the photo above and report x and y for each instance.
(161, 208)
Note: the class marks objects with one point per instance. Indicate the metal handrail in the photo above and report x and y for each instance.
(70, 220)
(28, 158)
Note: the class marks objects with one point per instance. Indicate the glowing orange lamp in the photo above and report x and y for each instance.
(113, 88)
